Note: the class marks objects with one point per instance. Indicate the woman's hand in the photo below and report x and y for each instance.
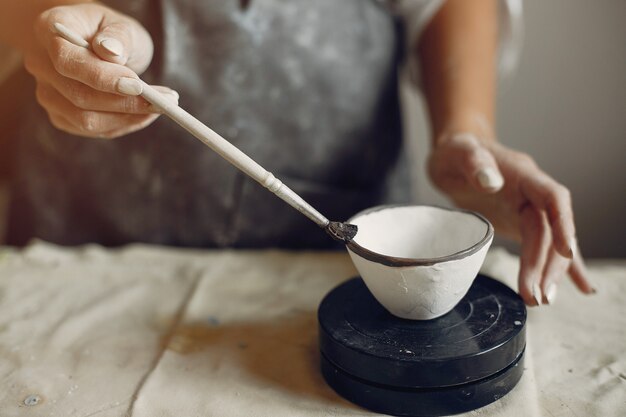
(522, 202)
(95, 92)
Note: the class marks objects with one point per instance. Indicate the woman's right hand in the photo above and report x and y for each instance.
(92, 92)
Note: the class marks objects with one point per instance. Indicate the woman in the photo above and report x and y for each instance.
(307, 88)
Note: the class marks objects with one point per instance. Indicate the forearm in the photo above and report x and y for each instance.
(457, 53)
(18, 16)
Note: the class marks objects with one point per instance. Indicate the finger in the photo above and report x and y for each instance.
(578, 273)
(61, 123)
(477, 163)
(64, 124)
(82, 65)
(124, 42)
(77, 62)
(90, 123)
(84, 97)
(548, 195)
(535, 235)
(128, 129)
(86, 120)
(130, 45)
(556, 268)
(113, 43)
(87, 98)
(110, 125)
(81, 19)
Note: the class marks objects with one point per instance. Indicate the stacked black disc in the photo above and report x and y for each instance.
(461, 361)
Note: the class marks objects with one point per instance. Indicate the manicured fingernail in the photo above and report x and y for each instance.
(113, 46)
(129, 86)
(171, 95)
(490, 179)
(551, 293)
(537, 293)
(572, 246)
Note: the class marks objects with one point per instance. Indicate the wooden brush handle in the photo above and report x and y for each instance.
(214, 141)
(232, 154)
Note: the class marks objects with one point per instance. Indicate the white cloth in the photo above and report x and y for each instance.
(150, 332)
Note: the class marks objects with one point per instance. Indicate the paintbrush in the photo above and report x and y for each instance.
(343, 232)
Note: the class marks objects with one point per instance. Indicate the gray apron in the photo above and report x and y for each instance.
(308, 88)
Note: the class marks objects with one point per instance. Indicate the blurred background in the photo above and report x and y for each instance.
(565, 105)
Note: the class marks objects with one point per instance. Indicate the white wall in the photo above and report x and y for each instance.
(566, 106)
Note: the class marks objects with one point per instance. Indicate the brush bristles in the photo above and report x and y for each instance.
(343, 232)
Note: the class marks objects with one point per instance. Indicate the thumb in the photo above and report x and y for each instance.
(478, 164)
(123, 41)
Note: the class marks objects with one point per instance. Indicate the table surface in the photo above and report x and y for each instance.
(152, 331)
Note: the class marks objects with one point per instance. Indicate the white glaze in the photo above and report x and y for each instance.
(419, 292)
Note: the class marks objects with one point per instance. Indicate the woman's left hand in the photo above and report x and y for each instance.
(522, 202)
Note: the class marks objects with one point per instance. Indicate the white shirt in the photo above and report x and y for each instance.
(418, 13)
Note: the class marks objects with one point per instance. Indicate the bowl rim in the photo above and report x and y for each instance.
(397, 261)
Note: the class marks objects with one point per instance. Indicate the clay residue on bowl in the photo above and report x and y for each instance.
(419, 261)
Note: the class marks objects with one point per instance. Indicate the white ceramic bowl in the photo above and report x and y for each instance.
(419, 261)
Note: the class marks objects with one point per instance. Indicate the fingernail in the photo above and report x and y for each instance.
(171, 95)
(490, 178)
(129, 86)
(537, 293)
(551, 293)
(113, 46)
(572, 246)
